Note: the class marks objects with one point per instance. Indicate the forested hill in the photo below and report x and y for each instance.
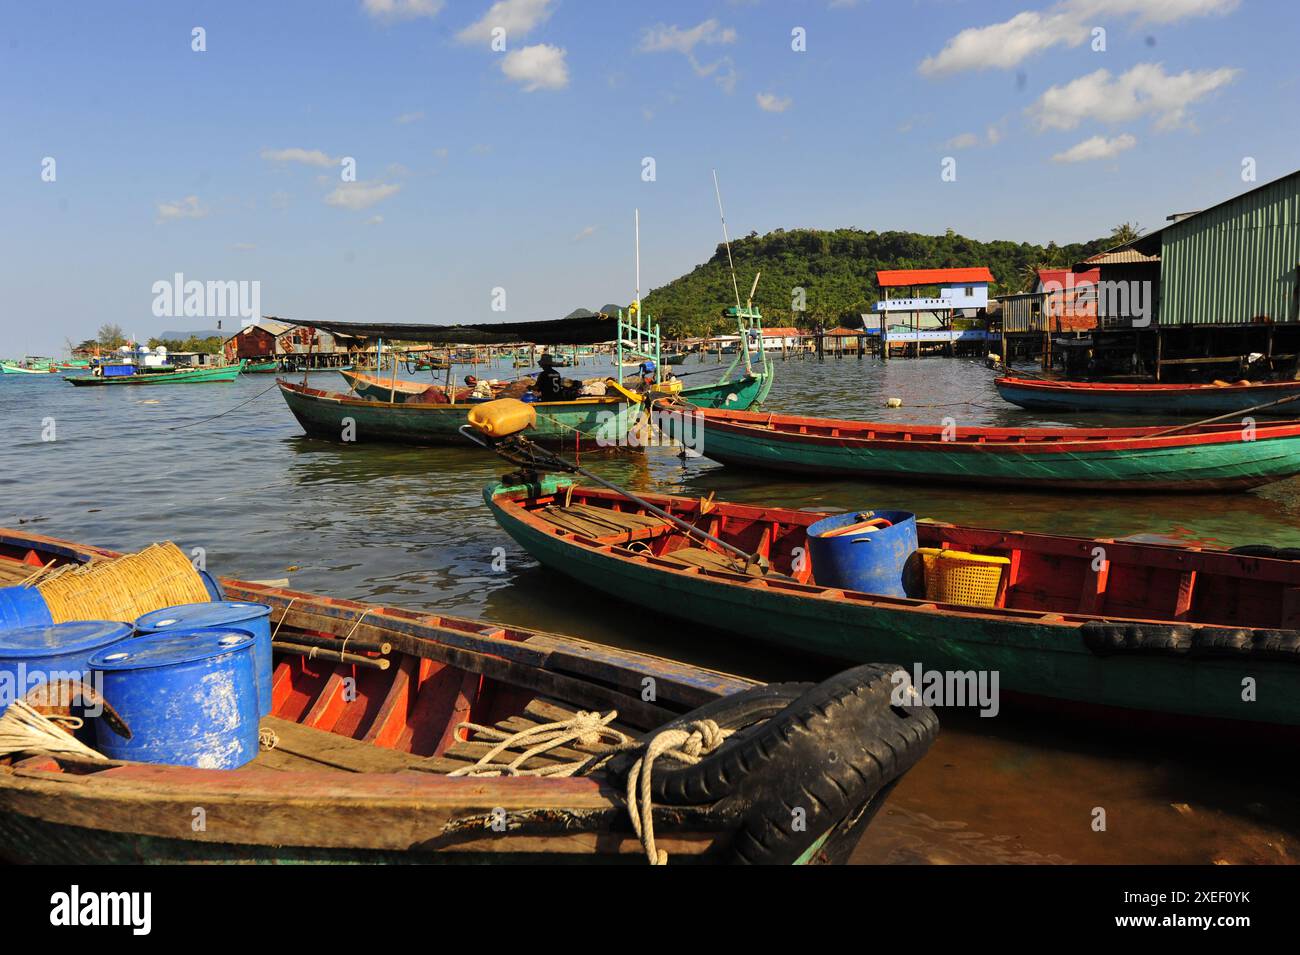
(837, 270)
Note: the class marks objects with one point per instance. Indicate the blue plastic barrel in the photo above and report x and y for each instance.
(30, 656)
(875, 562)
(23, 607)
(189, 698)
(235, 614)
(212, 586)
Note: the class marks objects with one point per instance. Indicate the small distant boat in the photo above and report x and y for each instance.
(1112, 624)
(28, 366)
(1214, 457)
(392, 736)
(1040, 394)
(270, 367)
(676, 358)
(140, 375)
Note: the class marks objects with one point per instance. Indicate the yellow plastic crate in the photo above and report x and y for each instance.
(959, 577)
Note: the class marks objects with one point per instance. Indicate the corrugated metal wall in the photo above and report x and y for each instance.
(1235, 263)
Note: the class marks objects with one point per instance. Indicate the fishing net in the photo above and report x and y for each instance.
(123, 588)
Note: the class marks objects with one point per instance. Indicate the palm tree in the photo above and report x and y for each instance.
(1124, 233)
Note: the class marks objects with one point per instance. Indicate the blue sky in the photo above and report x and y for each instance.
(519, 169)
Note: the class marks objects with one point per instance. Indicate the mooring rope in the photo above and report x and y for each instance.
(227, 411)
(687, 745)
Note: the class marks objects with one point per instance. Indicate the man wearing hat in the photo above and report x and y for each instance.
(550, 383)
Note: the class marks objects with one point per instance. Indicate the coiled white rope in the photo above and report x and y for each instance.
(24, 730)
(687, 745)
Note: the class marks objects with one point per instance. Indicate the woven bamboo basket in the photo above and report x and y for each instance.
(123, 588)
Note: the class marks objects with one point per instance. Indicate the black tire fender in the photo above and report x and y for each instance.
(829, 750)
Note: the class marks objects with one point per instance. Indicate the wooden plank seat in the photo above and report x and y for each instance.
(711, 560)
(599, 522)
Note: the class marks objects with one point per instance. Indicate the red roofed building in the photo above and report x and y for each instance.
(911, 278)
(964, 288)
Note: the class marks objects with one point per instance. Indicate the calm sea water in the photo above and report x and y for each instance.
(226, 467)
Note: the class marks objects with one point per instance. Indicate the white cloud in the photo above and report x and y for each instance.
(243, 246)
(665, 38)
(442, 152)
(962, 141)
(374, 220)
(1070, 23)
(188, 208)
(584, 233)
(539, 67)
(771, 103)
(391, 10)
(517, 17)
(312, 157)
(1098, 147)
(668, 38)
(1144, 90)
(356, 196)
(407, 118)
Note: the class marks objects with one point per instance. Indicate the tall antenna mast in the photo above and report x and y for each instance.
(638, 264)
(726, 239)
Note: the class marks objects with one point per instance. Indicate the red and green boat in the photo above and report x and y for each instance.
(1124, 627)
(1043, 394)
(1214, 457)
(368, 755)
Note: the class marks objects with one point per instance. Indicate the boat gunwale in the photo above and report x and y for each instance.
(974, 440)
(1137, 388)
(339, 398)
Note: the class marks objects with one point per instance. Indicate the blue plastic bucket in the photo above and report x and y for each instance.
(30, 656)
(189, 698)
(23, 607)
(253, 618)
(874, 562)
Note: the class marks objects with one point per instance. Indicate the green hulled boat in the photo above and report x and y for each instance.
(1218, 457)
(262, 367)
(168, 376)
(586, 422)
(1175, 631)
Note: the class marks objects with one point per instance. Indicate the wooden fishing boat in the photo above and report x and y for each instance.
(262, 367)
(1162, 629)
(737, 394)
(583, 423)
(13, 368)
(204, 374)
(1157, 399)
(1216, 457)
(366, 756)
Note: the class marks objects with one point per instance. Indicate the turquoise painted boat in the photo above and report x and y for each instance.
(738, 394)
(262, 367)
(1220, 457)
(1174, 632)
(584, 423)
(205, 374)
(391, 773)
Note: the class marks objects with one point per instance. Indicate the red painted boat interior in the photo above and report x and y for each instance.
(1076, 578)
(412, 707)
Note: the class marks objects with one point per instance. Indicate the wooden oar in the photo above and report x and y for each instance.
(1224, 417)
(543, 456)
